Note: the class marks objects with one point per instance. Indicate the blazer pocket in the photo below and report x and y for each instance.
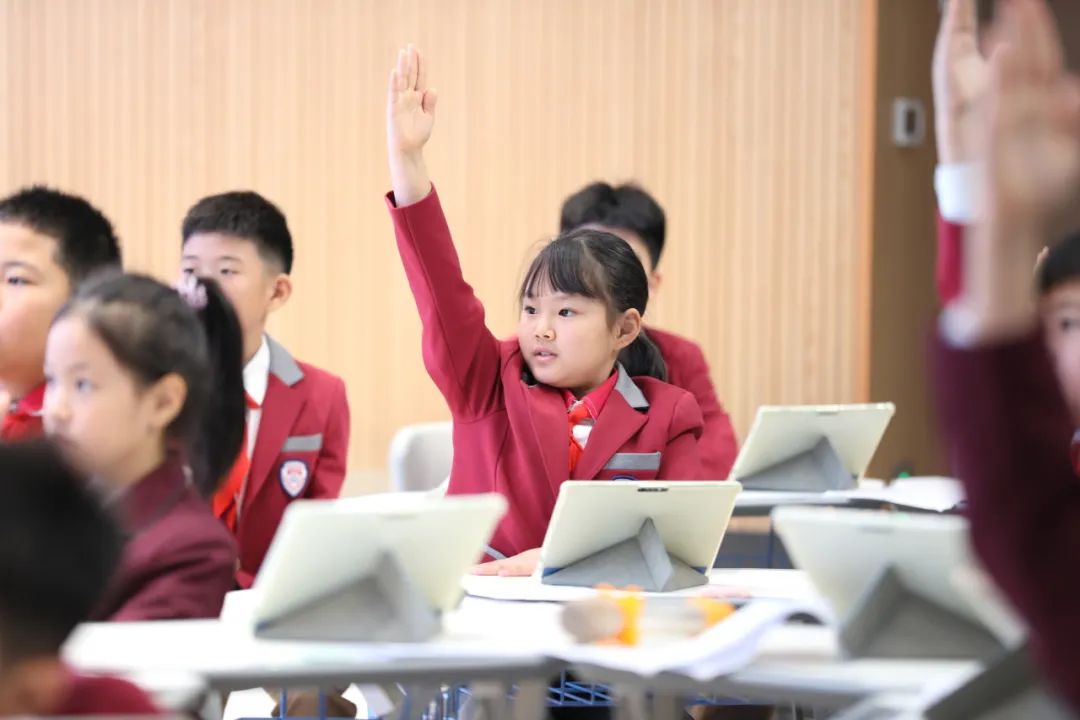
(631, 467)
(303, 443)
(634, 461)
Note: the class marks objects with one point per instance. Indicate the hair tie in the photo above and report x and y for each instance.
(192, 291)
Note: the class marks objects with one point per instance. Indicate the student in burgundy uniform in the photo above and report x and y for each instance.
(144, 392)
(58, 549)
(49, 241)
(961, 80)
(630, 213)
(577, 394)
(1008, 406)
(297, 431)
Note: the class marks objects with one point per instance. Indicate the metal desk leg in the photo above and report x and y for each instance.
(416, 701)
(630, 702)
(530, 703)
(667, 706)
(488, 701)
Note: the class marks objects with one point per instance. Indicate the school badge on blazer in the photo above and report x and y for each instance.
(294, 475)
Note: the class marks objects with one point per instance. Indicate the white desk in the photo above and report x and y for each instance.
(486, 640)
(229, 658)
(930, 494)
(801, 664)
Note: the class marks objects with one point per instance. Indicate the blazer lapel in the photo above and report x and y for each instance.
(547, 412)
(280, 409)
(624, 413)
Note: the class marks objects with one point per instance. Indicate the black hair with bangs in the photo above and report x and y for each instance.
(598, 265)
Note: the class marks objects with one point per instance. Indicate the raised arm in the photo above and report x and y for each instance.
(960, 80)
(460, 353)
(1003, 406)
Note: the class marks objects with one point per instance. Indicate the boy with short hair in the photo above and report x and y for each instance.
(49, 242)
(298, 415)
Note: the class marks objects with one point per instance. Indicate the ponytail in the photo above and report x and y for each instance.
(642, 357)
(219, 433)
(154, 330)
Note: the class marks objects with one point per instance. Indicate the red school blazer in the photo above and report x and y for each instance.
(950, 257)
(1010, 435)
(688, 369)
(178, 560)
(103, 696)
(511, 435)
(300, 452)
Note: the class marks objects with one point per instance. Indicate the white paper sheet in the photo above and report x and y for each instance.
(935, 494)
(744, 583)
(723, 649)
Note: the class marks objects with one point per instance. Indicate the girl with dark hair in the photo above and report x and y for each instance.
(579, 393)
(144, 393)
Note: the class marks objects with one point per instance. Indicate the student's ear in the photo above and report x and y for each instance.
(627, 328)
(282, 291)
(166, 397)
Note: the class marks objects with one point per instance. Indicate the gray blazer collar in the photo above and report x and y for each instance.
(282, 363)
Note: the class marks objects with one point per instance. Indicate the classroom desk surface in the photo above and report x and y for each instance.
(802, 664)
(486, 640)
(229, 658)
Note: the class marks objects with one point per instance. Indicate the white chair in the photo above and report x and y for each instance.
(420, 457)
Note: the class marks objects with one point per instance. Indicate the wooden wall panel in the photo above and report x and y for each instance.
(747, 118)
(904, 298)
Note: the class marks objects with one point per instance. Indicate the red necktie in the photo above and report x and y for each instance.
(226, 500)
(22, 421)
(20, 425)
(575, 416)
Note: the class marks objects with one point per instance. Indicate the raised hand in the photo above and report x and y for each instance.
(410, 104)
(961, 77)
(1032, 143)
(410, 117)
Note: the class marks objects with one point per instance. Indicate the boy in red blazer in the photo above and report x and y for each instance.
(630, 213)
(49, 242)
(298, 415)
(557, 401)
(1009, 409)
(49, 581)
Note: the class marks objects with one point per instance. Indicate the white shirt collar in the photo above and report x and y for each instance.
(257, 373)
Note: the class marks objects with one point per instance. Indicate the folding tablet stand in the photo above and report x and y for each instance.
(815, 470)
(1008, 688)
(641, 560)
(892, 621)
(382, 606)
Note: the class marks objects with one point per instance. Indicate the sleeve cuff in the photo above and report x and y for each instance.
(959, 330)
(957, 188)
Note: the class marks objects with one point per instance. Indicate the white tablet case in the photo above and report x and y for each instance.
(397, 544)
(811, 447)
(844, 551)
(687, 518)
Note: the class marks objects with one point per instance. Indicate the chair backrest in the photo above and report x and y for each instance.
(420, 456)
